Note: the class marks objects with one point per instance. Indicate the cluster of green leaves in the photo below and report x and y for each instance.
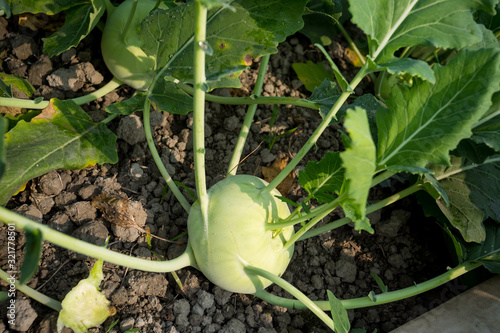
(442, 125)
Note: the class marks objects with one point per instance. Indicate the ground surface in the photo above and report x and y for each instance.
(403, 250)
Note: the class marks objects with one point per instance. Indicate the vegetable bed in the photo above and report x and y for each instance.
(396, 247)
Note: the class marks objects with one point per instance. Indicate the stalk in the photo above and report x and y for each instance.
(199, 109)
(91, 250)
(302, 299)
(109, 7)
(370, 209)
(240, 144)
(36, 295)
(159, 163)
(379, 299)
(253, 99)
(35, 104)
(317, 133)
(128, 24)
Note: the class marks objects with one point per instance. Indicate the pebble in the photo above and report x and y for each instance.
(346, 270)
(136, 171)
(131, 130)
(25, 315)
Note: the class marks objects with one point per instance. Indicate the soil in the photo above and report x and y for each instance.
(405, 249)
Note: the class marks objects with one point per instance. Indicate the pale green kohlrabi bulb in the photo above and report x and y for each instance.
(235, 235)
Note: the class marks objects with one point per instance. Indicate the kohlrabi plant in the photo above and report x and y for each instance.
(435, 119)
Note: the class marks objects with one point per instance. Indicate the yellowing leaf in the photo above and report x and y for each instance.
(271, 172)
(353, 57)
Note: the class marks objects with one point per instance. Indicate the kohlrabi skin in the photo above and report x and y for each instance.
(235, 234)
(123, 56)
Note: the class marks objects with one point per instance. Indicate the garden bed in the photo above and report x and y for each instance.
(403, 251)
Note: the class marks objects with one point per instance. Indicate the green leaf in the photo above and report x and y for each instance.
(3, 130)
(128, 106)
(169, 97)
(320, 19)
(487, 129)
(359, 164)
(394, 24)
(312, 74)
(426, 121)
(253, 30)
(31, 254)
(341, 80)
(80, 21)
(49, 7)
(434, 188)
(323, 179)
(339, 314)
(63, 136)
(406, 65)
(383, 287)
(488, 252)
(472, 190)
(13, 80)
(5, 9)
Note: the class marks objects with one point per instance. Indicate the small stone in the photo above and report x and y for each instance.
(51, 183)
(61, 222)
(25, 315)
(39, 70)
(396, 260)
(81, 212)
(233, 326)
(205, 300)
(267, 156)
(131, 130)
(136, 171)
(30, 212)
(23, 47)
(346, 270)
(231, 123)
(68, 79)
(127, 324)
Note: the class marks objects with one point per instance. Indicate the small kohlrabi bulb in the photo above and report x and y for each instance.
(85, 306)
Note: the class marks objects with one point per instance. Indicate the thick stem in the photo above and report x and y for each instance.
(245, 128)
(128, 24)
(317, 133)
(199, 109)
(109, 7)
(301, 297)
(379, 299)
(36, 295)
(91, 250)
(253, 99)
(35, 104)
(159, 163)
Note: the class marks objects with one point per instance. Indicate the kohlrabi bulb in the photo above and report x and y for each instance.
(236, 235)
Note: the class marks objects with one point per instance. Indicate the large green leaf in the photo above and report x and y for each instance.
(49, 7)
(63, 136)
(323, 179)
(487, 129)
(358, 161)
(473, 195)
(488, 252)
(393, 24)
(80, 21)
(169, 97)
(426, 121)
(254, 29)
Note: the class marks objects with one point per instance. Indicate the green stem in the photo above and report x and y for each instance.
(159, 163)
(109, 7)
(245, 129)
(301, 297)
(328, 208)
(370, 209)
(36, 295)
(254, 99)
(128, 24)
(35, 104)
(354, 48)
(379, 299)
(91, 250)
(311, 142)
(199, 108)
